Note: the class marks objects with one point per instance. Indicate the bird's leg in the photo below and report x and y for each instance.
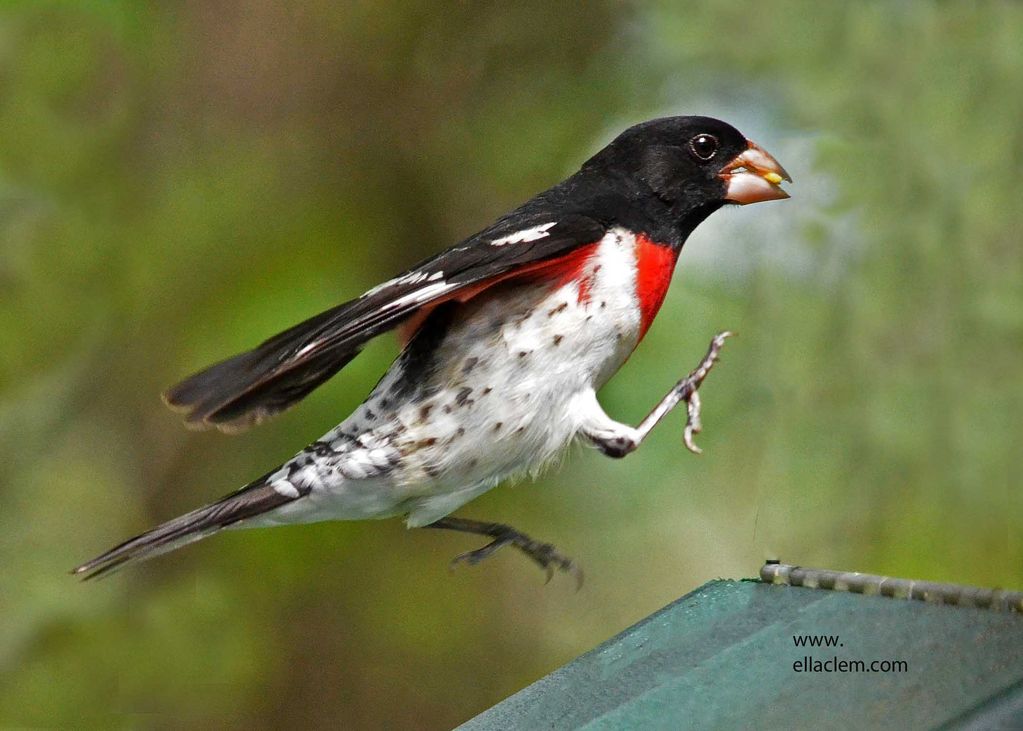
(617, 440)
(544, 554)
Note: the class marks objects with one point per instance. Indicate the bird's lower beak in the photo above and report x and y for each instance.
(754, 176)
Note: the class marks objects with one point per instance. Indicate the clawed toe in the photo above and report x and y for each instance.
(474, 557)
(550, 560)
(693, 425)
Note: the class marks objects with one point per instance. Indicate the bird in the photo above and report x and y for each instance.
(506, 339)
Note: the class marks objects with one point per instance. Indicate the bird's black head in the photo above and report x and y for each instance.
(692, 164)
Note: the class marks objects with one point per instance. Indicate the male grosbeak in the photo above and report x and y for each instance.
(509, 336)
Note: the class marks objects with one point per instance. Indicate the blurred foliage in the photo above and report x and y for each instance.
(179, 181)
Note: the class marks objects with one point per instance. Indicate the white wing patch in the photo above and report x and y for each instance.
(436, 287)
(526, 235)
(307, 348)
(421, 295)
(410, 278)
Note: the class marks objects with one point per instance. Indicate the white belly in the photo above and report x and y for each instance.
(497, 403)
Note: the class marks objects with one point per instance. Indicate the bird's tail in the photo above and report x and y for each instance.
(253, 499)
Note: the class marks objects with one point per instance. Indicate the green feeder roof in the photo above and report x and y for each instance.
(856, 651)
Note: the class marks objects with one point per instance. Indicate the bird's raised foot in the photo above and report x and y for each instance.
(688, 390)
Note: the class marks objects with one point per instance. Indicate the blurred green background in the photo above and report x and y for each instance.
(179, 181)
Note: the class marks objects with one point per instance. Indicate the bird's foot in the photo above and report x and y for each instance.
(543, 554)
(687, 390)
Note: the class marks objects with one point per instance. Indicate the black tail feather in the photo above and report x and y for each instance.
(251, 501)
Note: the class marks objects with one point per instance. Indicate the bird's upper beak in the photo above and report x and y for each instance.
(754, 176)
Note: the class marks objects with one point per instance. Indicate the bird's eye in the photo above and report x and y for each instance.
(704, 146)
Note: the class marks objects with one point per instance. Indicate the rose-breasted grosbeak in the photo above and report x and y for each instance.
(509, 336)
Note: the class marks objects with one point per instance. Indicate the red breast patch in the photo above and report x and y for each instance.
(654, 266)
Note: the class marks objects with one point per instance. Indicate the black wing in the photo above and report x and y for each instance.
(250, 387)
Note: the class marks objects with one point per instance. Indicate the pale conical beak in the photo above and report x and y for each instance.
(754, 176)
